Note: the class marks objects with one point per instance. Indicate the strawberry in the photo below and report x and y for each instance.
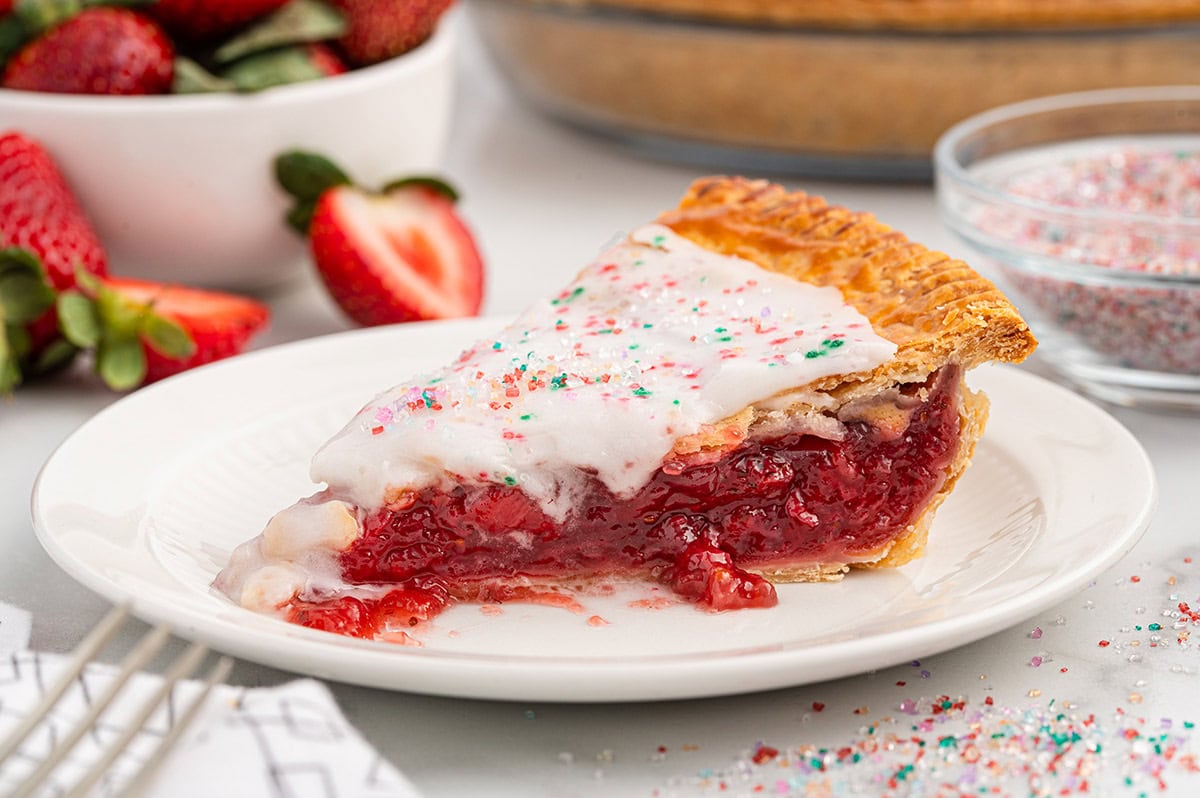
(323, 58)
(382, 29)
(98, 51)
(39, 212)
(401, 254)
(204, 19)
(144, 331)
(40, 215)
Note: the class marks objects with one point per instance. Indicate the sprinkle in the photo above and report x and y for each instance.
(763, 754)
(568, 297)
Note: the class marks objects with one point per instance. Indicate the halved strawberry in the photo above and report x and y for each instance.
(402, 254)
(144, 331)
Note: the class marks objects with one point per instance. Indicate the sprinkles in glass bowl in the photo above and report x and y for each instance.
(1088, 207)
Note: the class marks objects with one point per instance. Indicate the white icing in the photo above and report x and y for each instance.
(309, 525)
(655, 339)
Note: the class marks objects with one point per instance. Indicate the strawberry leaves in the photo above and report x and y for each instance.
(25, 294)
(25, 291)
(91, 317)
(284, 46)
(306, 176)
(98, 317)
(434, 184)
(166, 337)
(297, 22)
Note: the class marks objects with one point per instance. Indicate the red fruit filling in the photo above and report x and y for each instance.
(789, 500)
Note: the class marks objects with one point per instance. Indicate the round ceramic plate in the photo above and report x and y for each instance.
(145, 502)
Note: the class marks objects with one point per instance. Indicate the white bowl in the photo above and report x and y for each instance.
(181, 188)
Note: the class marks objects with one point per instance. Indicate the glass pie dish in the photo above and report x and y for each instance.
(1088, 206)
(841, 89)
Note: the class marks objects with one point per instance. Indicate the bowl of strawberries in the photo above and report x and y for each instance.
(165, 117)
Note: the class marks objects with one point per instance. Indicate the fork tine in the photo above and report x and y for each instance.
(141, 654)
(219, 673)
(184, 666)
(96, 640)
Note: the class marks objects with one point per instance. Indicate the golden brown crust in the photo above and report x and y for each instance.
(913, 14)
(937, 310)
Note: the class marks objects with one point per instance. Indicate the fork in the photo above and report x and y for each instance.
(185, 665)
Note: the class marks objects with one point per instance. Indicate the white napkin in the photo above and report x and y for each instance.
(289, 740)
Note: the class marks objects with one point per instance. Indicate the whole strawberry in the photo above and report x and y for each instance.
(206, 19)
(40, 216)
(382, 29)
(401, 254)
(98, 51)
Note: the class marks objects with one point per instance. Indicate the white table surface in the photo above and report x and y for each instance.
(542, 200)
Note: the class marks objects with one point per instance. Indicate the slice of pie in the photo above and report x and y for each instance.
(758, 388)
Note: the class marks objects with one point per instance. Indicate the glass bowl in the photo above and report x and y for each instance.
(832, 89)
(1087, 208)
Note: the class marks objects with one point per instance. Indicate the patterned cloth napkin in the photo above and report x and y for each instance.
(289, 740)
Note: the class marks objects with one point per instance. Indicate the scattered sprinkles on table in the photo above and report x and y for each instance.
(655, 339)
(955, 746)
(1146, 327)
(1043, 745)
(1165, 619)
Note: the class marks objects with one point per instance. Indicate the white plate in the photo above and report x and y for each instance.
(145, 501)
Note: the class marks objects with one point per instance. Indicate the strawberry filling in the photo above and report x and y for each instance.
(789, 500)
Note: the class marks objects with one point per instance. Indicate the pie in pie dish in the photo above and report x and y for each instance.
(757, 388)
